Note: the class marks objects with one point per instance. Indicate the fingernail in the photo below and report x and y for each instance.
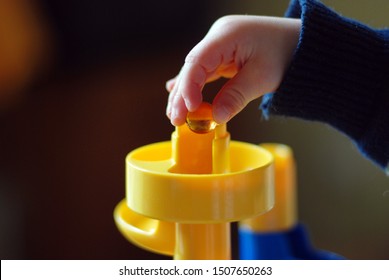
(221, 114)
(169, 85)
(175, 119)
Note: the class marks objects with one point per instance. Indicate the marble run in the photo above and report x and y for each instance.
(182, 195)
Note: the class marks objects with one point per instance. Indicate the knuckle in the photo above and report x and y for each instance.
(225, 20)
(227, 24)
(236, 99)
(191, 57)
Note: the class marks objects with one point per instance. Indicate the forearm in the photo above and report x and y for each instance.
(338, 76)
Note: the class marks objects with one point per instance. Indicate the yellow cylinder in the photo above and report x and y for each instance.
(283, 215)
(203, 242)
(204, 153)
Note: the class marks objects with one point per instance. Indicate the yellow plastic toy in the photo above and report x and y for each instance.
(283, 216)
(181, 195)
(278, 234)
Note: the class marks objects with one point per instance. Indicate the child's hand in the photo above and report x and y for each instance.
(253, 51)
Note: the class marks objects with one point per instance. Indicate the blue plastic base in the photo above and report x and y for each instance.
(287, 245)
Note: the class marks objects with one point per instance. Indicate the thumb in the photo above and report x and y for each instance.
(248, 84)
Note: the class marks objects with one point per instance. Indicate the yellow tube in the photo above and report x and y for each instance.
(203, 242)
(283, 215)
(204, 153)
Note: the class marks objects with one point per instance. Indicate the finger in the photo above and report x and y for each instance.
(169, 104)
(192, 81)
(170, 84)
(178, 111)
(200, 67)
(174, 88)
(169, 101)
(172, 94)
(249, 83)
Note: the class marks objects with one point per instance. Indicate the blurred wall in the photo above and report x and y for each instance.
(63, 143)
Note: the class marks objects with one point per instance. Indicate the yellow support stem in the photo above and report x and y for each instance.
(202, 241)
(283, 216)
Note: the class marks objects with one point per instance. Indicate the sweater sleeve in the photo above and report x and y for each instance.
(339, 75)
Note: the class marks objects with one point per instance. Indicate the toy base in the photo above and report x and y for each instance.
(287, 245)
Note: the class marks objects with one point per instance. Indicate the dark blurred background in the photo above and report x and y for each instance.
(82, 84)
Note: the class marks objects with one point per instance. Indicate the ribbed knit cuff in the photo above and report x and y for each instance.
(337, 76)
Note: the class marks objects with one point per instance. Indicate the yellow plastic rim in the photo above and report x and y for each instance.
(153, 191)
(153, 235)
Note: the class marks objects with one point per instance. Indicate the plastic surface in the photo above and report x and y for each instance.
(292, 244)
(277, 235)
(283, 215)
(182, 194)
(243, 192)
(195, 184)
(150, 234)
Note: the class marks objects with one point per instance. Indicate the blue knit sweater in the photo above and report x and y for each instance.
(339, 75)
